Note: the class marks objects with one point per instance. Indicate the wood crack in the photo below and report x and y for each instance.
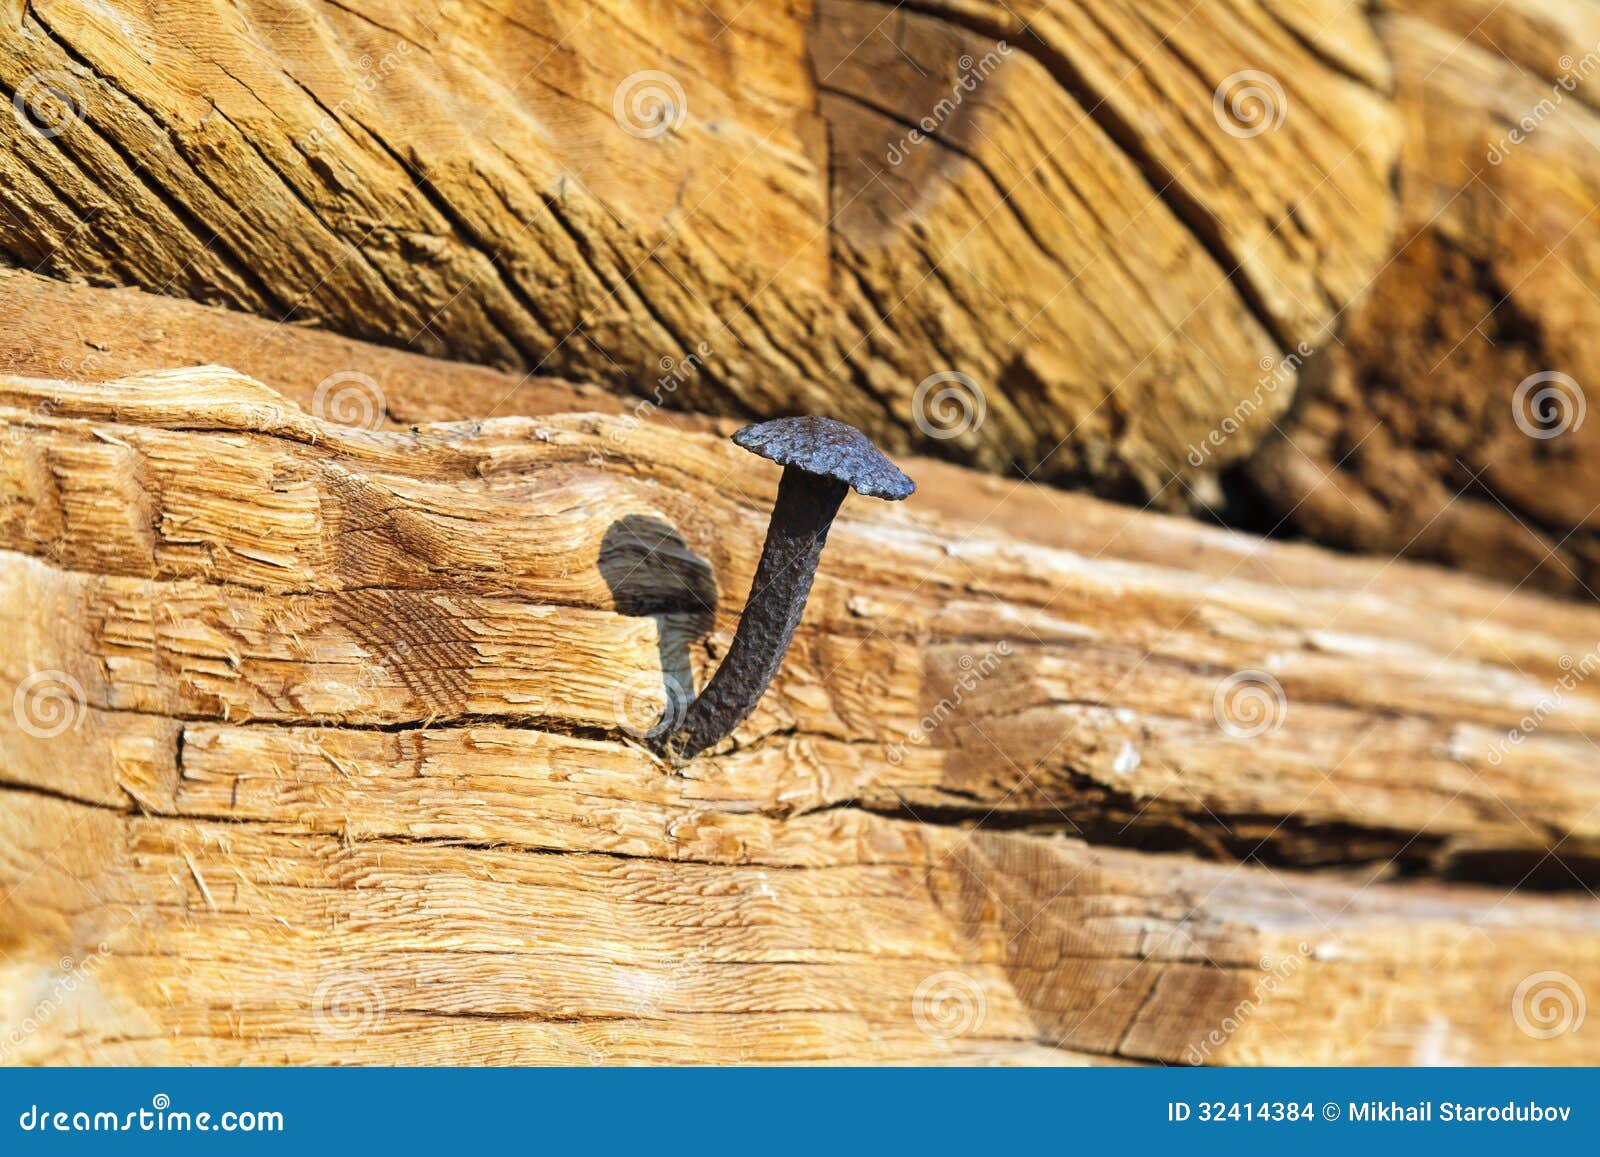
(1163, 184)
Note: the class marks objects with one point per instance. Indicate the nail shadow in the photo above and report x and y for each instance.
(652, 572)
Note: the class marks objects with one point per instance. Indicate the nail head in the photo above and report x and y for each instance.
(831, 448)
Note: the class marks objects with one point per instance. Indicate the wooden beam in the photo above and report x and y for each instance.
(306, 708)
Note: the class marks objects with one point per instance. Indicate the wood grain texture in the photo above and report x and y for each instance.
(227, 941)
(347, 767)
(49, 329)
(1080, 232)
(1448, 422)
(1056, 199)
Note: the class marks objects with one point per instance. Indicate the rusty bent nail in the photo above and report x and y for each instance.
(822, 460)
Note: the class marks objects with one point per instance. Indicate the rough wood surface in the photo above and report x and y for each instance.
(585, 189)
(323, 676)
(230, 940)
(49, 329)
(1449, 420)
(1128, 227)
(305, 714)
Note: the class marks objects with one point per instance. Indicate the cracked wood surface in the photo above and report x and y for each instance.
(1081, 232)
(272, 941)
(1408, 435)
(49, 329)
(861, 195)
(207, 550)
(357, 704)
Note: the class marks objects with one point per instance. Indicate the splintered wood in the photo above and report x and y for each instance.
(321, 746)
(1121, 227)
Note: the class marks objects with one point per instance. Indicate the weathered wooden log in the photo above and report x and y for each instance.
(323, 745)
(227, 940)
(818, 207)
(1096, 241)
(1448, 422)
